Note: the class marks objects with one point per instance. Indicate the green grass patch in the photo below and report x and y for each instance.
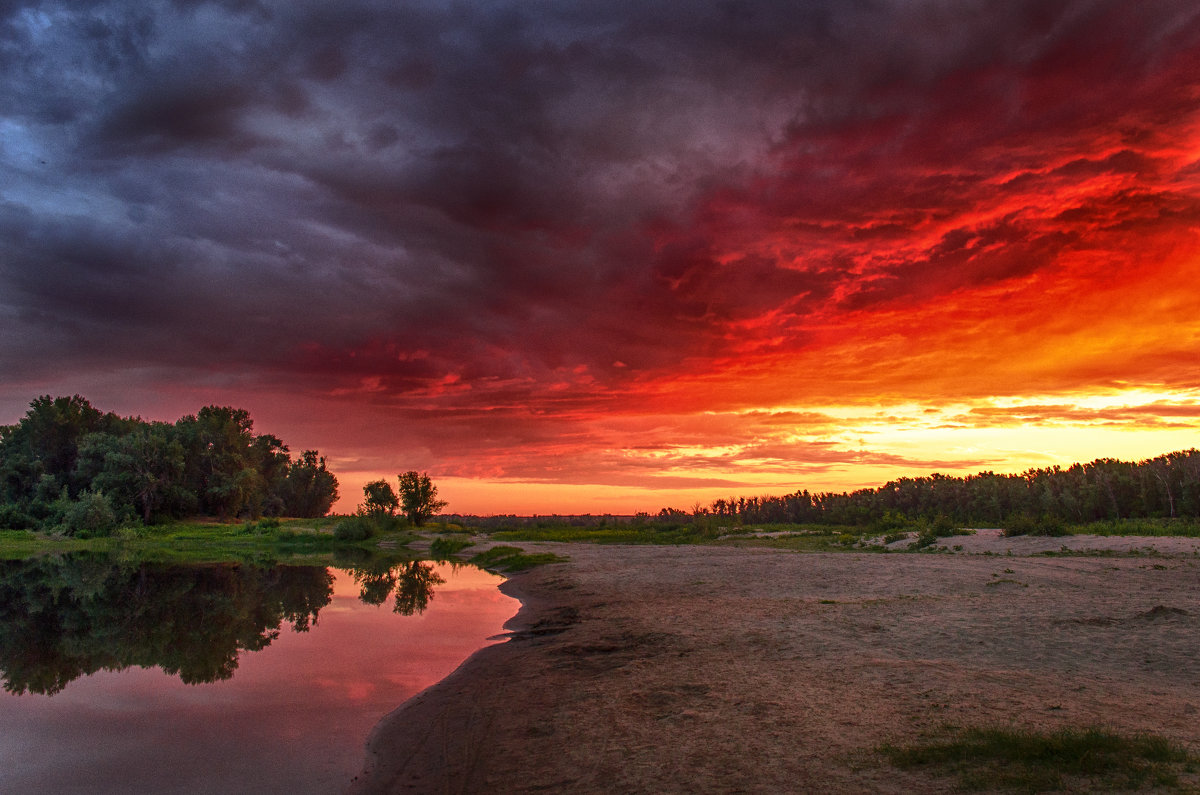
(810, 538)
(258, 541)
(1185, 528)
(513, 559)
(442, 548)
(1030, 761)
(804, 538)
(613, 534)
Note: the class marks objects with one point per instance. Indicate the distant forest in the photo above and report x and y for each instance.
(71, 468)
(1163, 486)
(1167, 487)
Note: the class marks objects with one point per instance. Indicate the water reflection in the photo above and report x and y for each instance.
(412, 582)
(293, 717)
(63, 617)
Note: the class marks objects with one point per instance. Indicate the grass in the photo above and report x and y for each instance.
(275, 538)
(512, 559)
(1186, 528)
(827, 538)
(262, 542)
(802, 538)
(1029, 761)
(612, 534)
(205, 541)
(442, 548)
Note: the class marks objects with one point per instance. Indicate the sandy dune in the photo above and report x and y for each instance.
(710, 669)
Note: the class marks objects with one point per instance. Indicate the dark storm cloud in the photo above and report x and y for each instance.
(503, 193)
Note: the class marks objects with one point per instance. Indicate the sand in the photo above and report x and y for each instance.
(713, 669)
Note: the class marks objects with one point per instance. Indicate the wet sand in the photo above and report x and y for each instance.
(713, 669)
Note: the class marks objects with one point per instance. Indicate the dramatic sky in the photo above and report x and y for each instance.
(605, 255)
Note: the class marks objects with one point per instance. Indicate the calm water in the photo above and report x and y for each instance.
(137, 677)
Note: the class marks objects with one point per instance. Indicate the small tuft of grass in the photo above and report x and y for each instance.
(1024, 760)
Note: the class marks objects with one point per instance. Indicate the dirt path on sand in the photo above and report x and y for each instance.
(710, 669)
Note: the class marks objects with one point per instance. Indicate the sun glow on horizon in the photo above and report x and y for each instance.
(759, 450)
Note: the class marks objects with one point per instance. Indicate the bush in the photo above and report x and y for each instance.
(1051, 526)
(353, 528)
(943, 526)
(890, 523)
(1026, 524)
(925, 538)
(13, 518)
(90, 516)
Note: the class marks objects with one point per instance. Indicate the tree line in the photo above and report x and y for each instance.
(1167, 486)
(67, 466)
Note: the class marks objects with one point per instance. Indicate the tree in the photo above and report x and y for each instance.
(379, 500)
(142, 469)
(222, 470)
(310, 489)
(418, 497)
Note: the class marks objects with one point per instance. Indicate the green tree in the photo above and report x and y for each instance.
(222, 465)
(418, 497)
(269, 456)
(379, 499)
(46, 442)
(310, 489)
(143, 470)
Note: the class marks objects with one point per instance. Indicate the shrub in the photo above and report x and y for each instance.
(90, 516)
(1026, 524)
(1050, 526)
(353, 528)
(890, 522)
(943, 526)
(13, 518)
(925, 538)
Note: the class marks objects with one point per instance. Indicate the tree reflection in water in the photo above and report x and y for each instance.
(62, 617)
(412, 582)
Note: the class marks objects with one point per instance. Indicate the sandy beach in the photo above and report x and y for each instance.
(715, 669)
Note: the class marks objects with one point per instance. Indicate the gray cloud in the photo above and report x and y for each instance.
(320, 191)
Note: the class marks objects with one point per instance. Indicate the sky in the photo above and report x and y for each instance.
(611, 256)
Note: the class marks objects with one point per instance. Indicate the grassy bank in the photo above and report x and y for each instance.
(276, 539)
(817, 538)
(201, 541)
(813, 537)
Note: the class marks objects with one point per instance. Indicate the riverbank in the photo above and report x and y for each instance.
(712, 669)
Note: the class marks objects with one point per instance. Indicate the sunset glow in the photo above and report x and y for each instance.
(605, 257)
